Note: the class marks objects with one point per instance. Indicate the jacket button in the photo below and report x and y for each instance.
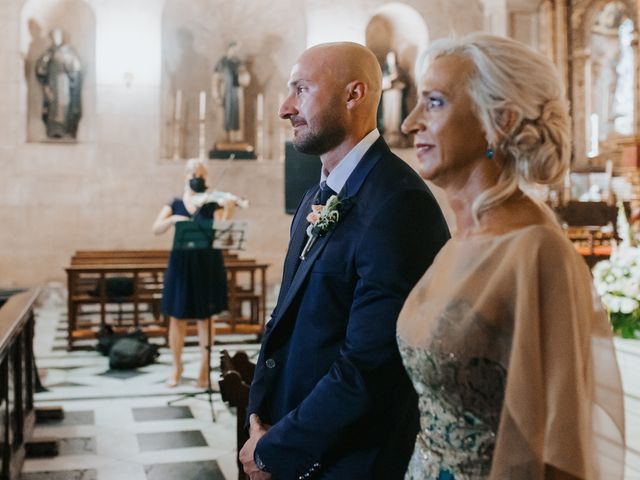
(270, 363)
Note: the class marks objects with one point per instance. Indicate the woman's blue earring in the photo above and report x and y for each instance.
(489, 153)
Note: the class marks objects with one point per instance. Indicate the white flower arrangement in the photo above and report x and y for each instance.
(617, 280)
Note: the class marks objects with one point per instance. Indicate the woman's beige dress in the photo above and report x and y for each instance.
(511, 354)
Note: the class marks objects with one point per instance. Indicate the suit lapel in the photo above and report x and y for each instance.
(298, 237)
(349, 191)
(305, 266)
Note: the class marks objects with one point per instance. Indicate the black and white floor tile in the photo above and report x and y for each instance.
(118, 425)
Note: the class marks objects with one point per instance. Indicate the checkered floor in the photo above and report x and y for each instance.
(117, 423)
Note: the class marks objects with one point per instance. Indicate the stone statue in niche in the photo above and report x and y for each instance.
(392, 111)
(59, 72)
(230, 78)
(379, 38)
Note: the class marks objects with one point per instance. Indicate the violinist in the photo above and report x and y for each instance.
(195, 285)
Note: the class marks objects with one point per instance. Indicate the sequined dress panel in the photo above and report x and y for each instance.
(499, 338)
(460, 383)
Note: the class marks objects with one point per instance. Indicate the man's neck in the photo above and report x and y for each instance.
(333, 157)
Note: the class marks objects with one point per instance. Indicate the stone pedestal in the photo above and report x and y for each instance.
(239, 151)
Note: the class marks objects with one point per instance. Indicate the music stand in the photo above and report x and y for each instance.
(226, 235)
(229, 234)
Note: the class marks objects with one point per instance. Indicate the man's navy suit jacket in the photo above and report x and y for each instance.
(329, 378)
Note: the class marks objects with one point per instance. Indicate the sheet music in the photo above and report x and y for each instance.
(229, 234)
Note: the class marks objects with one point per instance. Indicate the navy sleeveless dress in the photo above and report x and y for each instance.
(195, 283)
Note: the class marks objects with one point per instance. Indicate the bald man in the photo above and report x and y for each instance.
(330, 398)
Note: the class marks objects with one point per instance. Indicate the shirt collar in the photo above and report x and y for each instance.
(339, 175)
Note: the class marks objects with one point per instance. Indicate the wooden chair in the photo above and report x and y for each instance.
(237, 374)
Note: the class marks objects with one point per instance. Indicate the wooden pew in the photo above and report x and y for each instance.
(88, 275)
(115, 257)
(247, 296)
(87, 285)
(237, 374)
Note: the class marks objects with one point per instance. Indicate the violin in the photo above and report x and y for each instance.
(219, 197)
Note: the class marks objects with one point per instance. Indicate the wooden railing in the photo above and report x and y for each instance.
(17, 380)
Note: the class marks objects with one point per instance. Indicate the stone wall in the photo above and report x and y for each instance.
(105, 191)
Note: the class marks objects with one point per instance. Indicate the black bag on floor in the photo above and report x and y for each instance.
(107, 338)
(129, 353)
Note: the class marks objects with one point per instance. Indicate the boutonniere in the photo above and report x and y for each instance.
(322, 219)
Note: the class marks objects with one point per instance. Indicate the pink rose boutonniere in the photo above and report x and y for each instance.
(322, 219)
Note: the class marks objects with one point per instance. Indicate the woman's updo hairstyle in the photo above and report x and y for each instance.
(195, 167)
(520, 102)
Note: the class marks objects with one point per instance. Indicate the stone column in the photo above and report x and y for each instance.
(496, 17)
(581, 70)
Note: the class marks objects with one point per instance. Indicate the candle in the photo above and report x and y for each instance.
(178, 104)
(260, 107)
(203, 104)
(608, 172)
(593, 144)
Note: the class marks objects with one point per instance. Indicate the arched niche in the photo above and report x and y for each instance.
(603, 34)
(396, 33)
(76, 20)
(195, 35)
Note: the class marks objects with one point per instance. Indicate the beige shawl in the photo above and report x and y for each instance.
(563, 398)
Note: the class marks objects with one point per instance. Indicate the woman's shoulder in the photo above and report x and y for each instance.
(177, 205)
(528, 223)
(544, 239)
(547, 250)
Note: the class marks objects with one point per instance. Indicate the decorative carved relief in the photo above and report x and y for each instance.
(593, 30)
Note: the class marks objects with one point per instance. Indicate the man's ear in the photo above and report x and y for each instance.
(356, 92)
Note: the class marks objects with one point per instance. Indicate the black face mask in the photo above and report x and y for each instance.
(197, 184)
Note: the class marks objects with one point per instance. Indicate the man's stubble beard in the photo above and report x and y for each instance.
(321, 140)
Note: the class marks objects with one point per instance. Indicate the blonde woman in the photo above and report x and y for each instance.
(505, 342)
(195, 285)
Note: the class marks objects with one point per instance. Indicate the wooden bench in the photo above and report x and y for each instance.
(90, 271)
(115, 257)
(237, 374)
(87, 286)
(247, 291)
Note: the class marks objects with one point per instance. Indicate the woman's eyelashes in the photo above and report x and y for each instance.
(433, 102)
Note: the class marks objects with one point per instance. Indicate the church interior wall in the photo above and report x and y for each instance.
(104, 191)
